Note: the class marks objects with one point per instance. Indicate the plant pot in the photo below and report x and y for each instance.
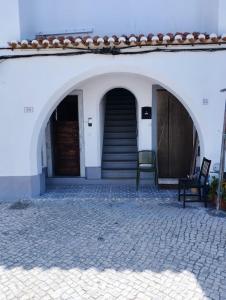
(223, 203)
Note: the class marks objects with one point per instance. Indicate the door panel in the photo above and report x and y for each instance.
(163, 134)
(66, 139)
(180, 139)
(175, 137)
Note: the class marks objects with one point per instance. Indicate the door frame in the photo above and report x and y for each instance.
(79, 94)
(155, 89)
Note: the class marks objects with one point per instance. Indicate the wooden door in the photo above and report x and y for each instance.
(175, 137)
(66, 138)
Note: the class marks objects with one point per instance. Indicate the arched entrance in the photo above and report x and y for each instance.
(93, 89)
(121, 134)
(119, 155)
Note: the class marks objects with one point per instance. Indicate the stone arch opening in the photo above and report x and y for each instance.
(60, 93)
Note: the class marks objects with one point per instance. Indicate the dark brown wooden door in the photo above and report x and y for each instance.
(66, 138)
(175, 137)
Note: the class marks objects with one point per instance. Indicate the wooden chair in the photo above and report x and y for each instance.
(198, 182)
(146, 162)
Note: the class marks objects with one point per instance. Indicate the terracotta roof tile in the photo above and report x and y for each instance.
(179, 38)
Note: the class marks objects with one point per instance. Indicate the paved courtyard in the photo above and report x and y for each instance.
(111, 242)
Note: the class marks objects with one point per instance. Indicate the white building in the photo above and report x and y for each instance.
(72, 87)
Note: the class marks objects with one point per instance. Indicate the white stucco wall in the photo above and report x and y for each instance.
(41, 83)
(118, 17)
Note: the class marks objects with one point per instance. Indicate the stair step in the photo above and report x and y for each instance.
(119, 135)
(111, 117)
(119, 174)
(120, 102)
(113, 165)
(120, 123)
(120, 111)
(120, 142)
(120, 129)
(119, 149)
(119, 156)
(120, 106)
(125, 174)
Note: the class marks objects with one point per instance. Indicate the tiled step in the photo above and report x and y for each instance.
(112, 117)
(120, 123)
(119, 156)
(119, 149)
(120, 142)
(120, 111)
(118, 174)
(119, 135)
(120, 102)
(121, 173)
(119, 165)
(120, 107)
(120, 129)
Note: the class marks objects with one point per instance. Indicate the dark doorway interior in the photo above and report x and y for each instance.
(119, 159)
(175, 137)
(65, 130)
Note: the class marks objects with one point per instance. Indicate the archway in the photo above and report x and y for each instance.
(69, 86)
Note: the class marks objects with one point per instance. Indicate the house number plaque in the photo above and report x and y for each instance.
(28, 109)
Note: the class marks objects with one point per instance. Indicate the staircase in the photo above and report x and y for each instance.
(119, 159)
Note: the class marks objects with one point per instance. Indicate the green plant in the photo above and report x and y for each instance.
(224, 191)
(214, 186)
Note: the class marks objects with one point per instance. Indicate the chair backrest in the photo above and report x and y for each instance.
(204, 171)
(146, 157)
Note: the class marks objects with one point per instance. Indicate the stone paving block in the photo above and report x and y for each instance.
(111, 242)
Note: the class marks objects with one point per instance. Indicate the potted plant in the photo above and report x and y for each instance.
(223, 200)
(213, 190)
(213, 193)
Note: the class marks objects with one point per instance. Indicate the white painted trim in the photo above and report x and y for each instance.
(44, 154)
(79, 93)
(155, 88)
(49, 153)
(102, 112)
(138, 121)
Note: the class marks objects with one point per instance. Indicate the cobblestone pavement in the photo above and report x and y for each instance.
(111, 242)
